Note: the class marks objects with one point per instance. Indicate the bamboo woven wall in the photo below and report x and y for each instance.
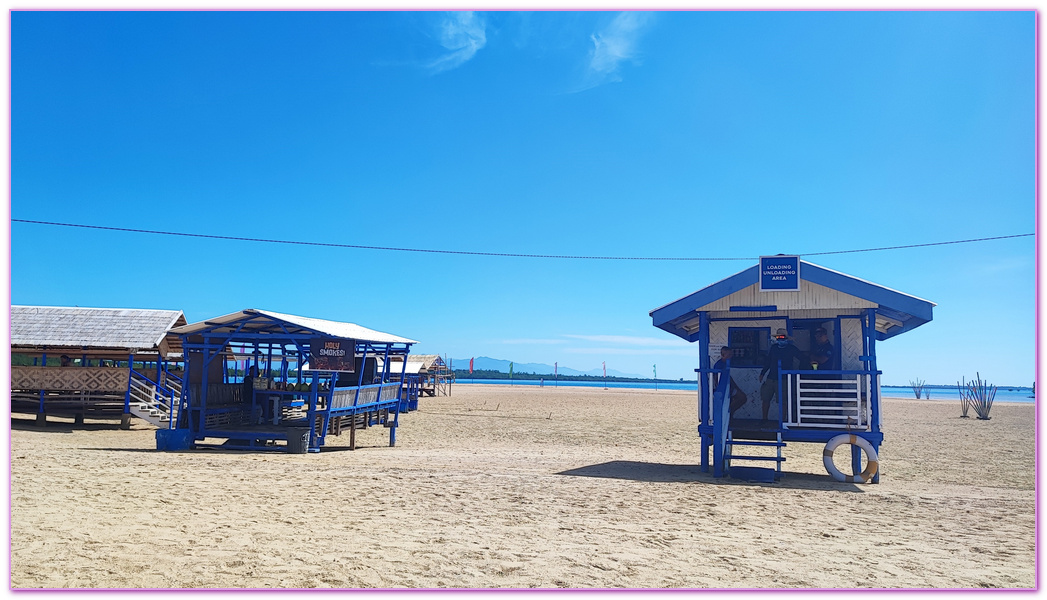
(88, 379)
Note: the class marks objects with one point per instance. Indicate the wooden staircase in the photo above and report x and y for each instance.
(747, 473)
(152, 402)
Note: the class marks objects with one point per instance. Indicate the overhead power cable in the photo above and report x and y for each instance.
(497, 254)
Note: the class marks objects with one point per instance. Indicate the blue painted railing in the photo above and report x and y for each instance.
(721, 420)
(352, 399)
(162, 395)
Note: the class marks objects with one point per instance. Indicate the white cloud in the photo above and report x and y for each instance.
(463, 33)
(629, 340)
(533, 341)
(636, 351)
(615, 43)
(1005, 264)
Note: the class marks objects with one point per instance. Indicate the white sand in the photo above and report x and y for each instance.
(525, 487)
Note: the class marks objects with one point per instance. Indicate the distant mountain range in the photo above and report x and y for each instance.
(502, 366)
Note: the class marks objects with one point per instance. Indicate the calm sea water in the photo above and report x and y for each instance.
(1016, 394)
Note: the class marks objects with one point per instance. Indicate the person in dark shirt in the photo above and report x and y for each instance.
(823, 352)
(247, 387)
(781, 350)
(735, 393)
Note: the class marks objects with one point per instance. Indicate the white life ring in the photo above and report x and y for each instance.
(870, 453)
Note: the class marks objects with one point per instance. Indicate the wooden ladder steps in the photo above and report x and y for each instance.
(738, 442)
(744, 457)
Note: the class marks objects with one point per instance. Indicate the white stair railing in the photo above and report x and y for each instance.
(150, 401)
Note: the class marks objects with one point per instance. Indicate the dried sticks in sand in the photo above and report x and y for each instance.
(977, 394)
(917, 387)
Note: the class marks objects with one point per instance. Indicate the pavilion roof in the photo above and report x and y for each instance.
(130, 329)
(253, 320)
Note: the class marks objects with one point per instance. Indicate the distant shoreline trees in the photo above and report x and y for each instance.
(492, 374)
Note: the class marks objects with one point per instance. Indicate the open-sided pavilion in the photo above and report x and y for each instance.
(267, 380)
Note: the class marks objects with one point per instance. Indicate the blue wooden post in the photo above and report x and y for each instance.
(703, 385)
(204, 366)
(314, 386)
(385, 365)
(360, 378)
(40, 416)
(269, 363)
(399, 392)
(781, 396)
(703, 363)
(127, 394)
(125, 419)
(874, 389)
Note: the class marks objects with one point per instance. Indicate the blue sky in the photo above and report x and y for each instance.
(667, 134)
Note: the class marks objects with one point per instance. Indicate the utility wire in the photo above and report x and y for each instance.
(498, 254)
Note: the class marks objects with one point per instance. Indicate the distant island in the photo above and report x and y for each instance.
(492, 374)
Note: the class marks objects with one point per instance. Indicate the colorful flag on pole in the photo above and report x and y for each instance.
(605, 369)
(555, 366)
(656, 371)
(510, 370)
(470, 366)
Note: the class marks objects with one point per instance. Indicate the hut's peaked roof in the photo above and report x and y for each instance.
(416, 363)
(253, 320)
(896, 312)
(109, 328)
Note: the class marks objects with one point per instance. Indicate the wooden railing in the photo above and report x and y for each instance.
(355, 397)
(829, 399)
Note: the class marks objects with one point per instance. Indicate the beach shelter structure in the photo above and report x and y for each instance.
(72, 361)
(424, 374)
(832, 399)
(267, 380)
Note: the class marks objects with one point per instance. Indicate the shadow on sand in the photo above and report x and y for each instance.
(664, 473)
(53, 426)
(218, 449)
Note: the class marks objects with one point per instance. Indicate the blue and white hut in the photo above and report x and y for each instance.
(265, 380)
(833, 402)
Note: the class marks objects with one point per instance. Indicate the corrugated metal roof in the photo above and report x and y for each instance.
(320, 326)
(110, 328)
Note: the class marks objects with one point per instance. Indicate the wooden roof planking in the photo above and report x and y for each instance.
(99, 329)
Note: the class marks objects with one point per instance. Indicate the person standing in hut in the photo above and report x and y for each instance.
(823, 352)
(782, 349)
(734, 392)
(247, 389)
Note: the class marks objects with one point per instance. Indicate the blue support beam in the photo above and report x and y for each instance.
(703, 382)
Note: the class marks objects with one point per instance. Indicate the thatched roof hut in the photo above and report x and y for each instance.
(36, 329)
(121, 358)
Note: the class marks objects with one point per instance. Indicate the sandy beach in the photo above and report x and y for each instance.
(521, 487)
